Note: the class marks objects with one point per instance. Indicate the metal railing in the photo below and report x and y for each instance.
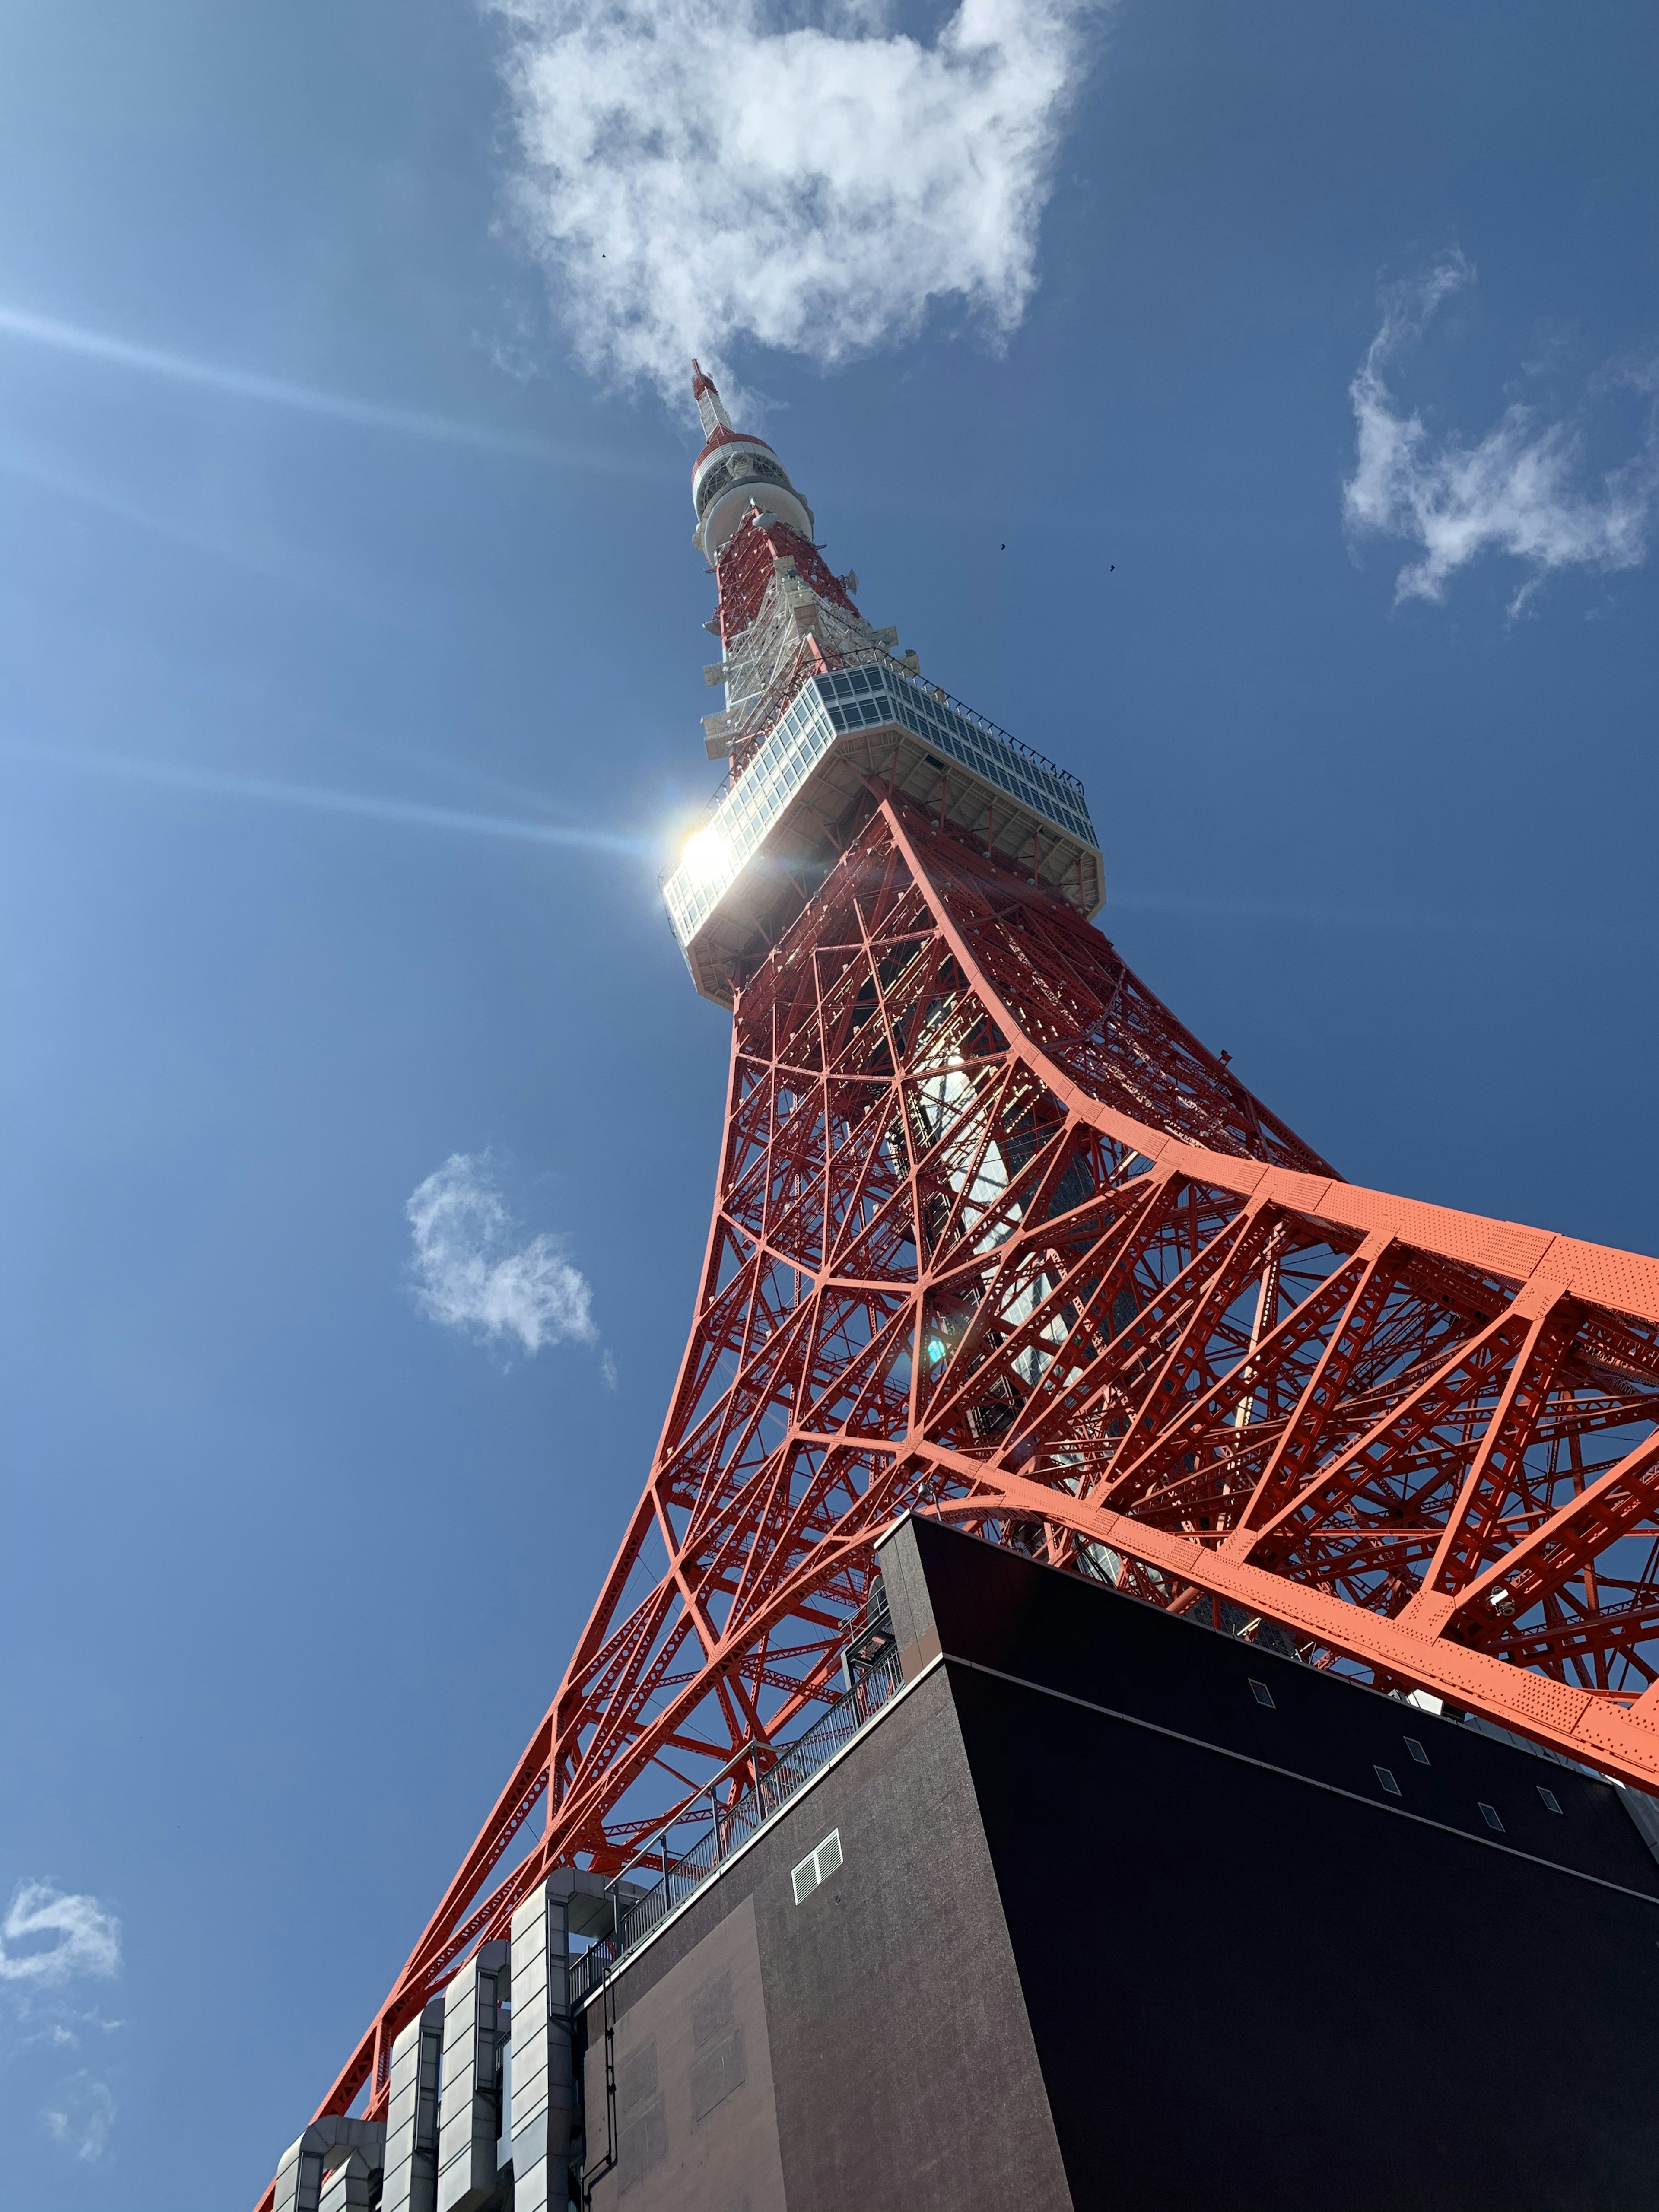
(726, 1827)
(764, 723)
(876, 694)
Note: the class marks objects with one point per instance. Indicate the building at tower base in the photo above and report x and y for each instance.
(1104, 1908)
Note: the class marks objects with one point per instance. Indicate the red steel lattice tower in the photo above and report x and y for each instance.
(995, 1238)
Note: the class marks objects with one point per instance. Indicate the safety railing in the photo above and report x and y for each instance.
(747, 808)
(758, 727)
(727, 1826)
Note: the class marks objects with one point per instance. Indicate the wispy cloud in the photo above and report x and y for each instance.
(61, 1936)
(278, 391)
(472, 1275)
(323, 799)
(50, 1939)
(81, 2115)
(1520, 490)
(696, 173)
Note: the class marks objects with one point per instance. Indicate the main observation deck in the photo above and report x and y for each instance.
(772, 832)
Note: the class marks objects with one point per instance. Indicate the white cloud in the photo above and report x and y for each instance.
(469, 1276)
(86, 1939)
(1519, 491)
(696, 173)
(49, 1938)
(82, 2116)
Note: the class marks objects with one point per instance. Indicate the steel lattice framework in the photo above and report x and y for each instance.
(996, 1238)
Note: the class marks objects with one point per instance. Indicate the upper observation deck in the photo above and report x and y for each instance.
(777, 827)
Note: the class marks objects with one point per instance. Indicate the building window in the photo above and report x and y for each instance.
(1417, 1751)
(1552, 1802)
(817, 1866)
(1261, 1692)
(1387, 1780)
(1489, 1814)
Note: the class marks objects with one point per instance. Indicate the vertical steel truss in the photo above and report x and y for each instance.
(996, 1238)
(782, 617)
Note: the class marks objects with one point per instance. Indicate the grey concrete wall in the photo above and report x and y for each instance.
(696, 2127)
(885, 2009)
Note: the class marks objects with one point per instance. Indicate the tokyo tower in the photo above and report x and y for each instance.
(997, 1243)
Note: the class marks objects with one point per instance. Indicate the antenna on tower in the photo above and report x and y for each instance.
(709, 404)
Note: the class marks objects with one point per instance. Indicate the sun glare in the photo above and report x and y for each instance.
(705, 854)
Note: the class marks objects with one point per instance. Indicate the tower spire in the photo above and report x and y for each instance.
(710, 405)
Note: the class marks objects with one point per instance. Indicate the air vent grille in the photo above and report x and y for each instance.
(817, 1866)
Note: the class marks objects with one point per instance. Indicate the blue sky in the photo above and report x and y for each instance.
(352, 678)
